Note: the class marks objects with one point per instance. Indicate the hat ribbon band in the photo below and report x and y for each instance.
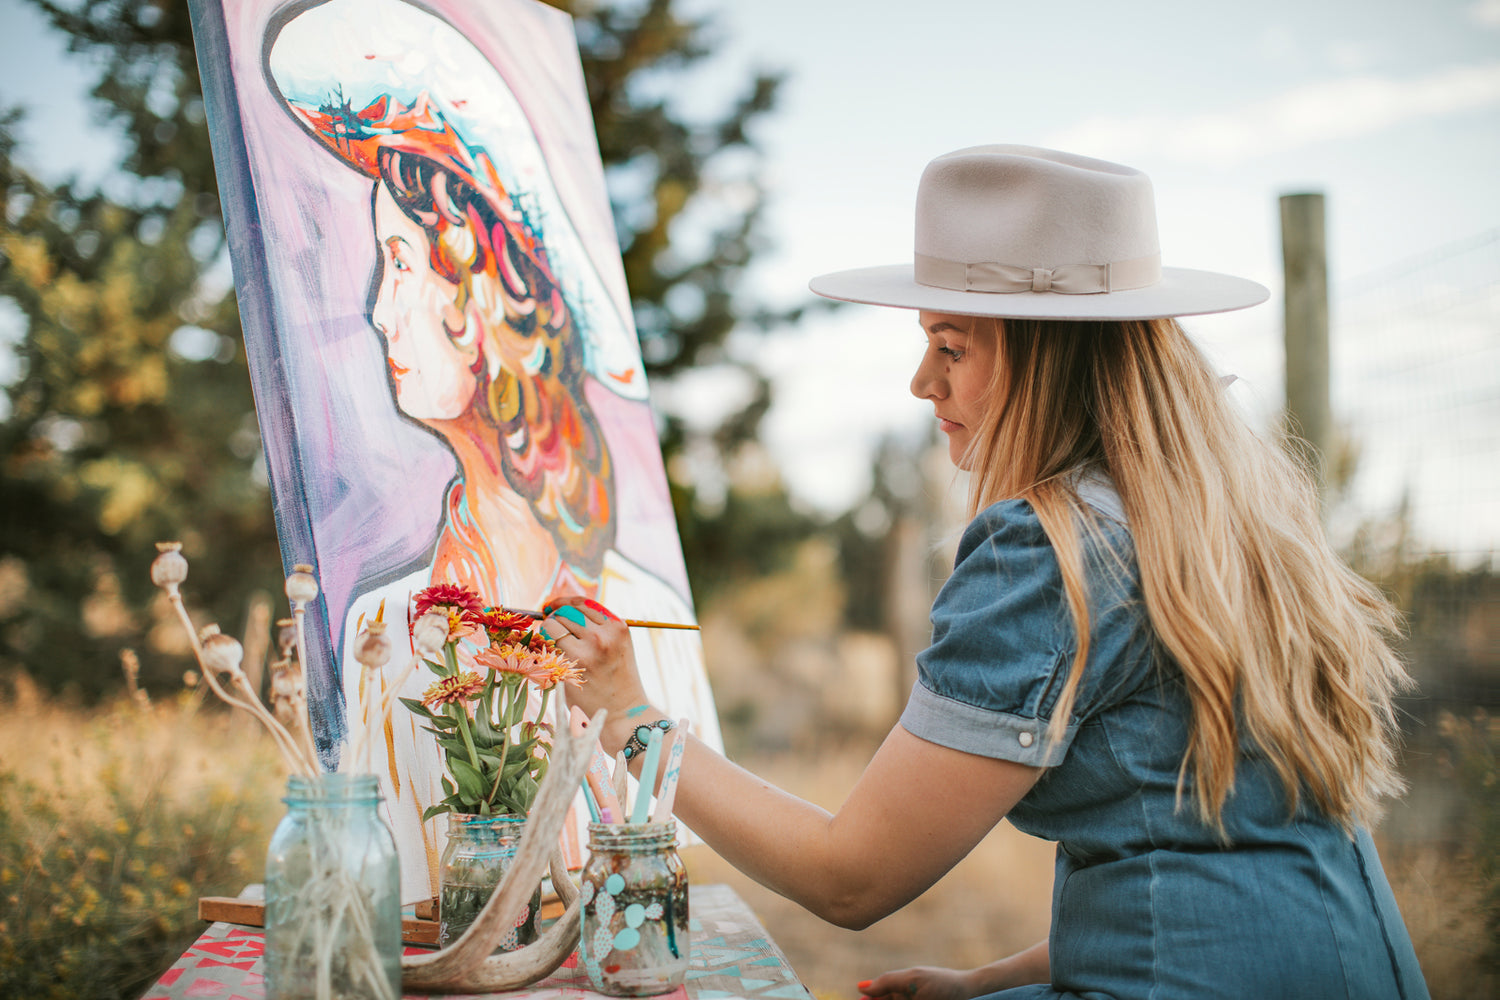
(1068, 279)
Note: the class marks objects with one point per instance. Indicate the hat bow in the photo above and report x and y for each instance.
(1067, 279)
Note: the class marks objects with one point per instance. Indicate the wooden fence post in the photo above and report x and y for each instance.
(1305, 267)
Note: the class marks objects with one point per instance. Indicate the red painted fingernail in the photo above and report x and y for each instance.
(591, 603)
(864, 985)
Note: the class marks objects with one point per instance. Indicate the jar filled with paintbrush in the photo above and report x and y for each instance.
(634, 939)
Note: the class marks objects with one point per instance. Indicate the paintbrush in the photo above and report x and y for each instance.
(597, 776)
(632, 622)
(640, 812)
(668, 793)
(622, 779)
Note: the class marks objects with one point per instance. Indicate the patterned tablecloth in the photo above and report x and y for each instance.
(731, 957)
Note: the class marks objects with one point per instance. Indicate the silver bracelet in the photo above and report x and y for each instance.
(640, 734)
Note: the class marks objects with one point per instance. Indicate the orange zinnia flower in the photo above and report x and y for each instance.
(461, 626)
(451, 690)
(556, 668)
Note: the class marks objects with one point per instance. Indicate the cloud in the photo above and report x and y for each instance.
(1350, 56)
(1335, 109)
(1485, 12)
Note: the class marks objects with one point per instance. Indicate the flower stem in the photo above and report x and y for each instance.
(505, 740)
(249, 704)
(284, 740)
(462, 715)
(307, 741)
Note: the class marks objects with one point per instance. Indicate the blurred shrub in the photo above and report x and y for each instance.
(1474, 755)
(113, 821)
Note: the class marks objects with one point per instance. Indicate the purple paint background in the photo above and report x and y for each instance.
(373, 482)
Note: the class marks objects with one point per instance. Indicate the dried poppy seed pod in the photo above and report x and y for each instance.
(430, 632)
(301, 587)
(372, 648)
(286, 690)
(221, 653)
(286, 636)
(170, 567)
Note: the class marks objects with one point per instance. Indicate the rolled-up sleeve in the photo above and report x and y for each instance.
(1003, 644)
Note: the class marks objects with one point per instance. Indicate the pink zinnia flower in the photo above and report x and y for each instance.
(511, 658)
(499, 623)
(448, 595)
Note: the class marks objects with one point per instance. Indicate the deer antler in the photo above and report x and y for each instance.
(469, 965)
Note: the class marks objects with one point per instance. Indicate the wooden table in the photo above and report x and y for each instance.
(732, 956)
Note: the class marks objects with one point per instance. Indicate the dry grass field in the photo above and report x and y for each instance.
(113, 820)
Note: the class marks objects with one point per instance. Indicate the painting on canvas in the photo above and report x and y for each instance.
(446, 370)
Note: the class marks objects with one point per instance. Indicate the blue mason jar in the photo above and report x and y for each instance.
(333, 894)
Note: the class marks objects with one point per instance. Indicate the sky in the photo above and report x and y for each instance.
(1393, 113)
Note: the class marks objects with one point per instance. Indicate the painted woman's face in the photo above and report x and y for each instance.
(955, 376)
(415, 311)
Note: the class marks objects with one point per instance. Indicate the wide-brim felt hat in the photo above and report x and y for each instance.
(1022, 232)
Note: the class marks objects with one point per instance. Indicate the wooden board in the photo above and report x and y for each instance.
(250, 911)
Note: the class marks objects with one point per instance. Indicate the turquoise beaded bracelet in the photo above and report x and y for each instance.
(640, 734)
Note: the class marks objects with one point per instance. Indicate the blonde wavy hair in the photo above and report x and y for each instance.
(1272, 632)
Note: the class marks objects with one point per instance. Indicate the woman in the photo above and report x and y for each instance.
(501, 341)
(1146, 651)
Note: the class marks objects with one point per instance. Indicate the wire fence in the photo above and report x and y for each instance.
(1416, 392)
(1416, 387)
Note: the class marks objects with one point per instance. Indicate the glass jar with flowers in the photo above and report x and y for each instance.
(495, 674)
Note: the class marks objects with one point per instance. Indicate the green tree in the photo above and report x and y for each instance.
(662, 170)
(130, 419)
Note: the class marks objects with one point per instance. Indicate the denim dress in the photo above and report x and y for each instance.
(1148, 902)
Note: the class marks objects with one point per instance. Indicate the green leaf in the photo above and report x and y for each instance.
(482, 728)
(436, 732)
(517, 711)
(513, 768)
(470, 782)
(453, 746)
(416, 706)
(489, 759)
(437, 810)
(525, 791)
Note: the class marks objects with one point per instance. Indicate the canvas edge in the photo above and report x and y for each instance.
(239, 209)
